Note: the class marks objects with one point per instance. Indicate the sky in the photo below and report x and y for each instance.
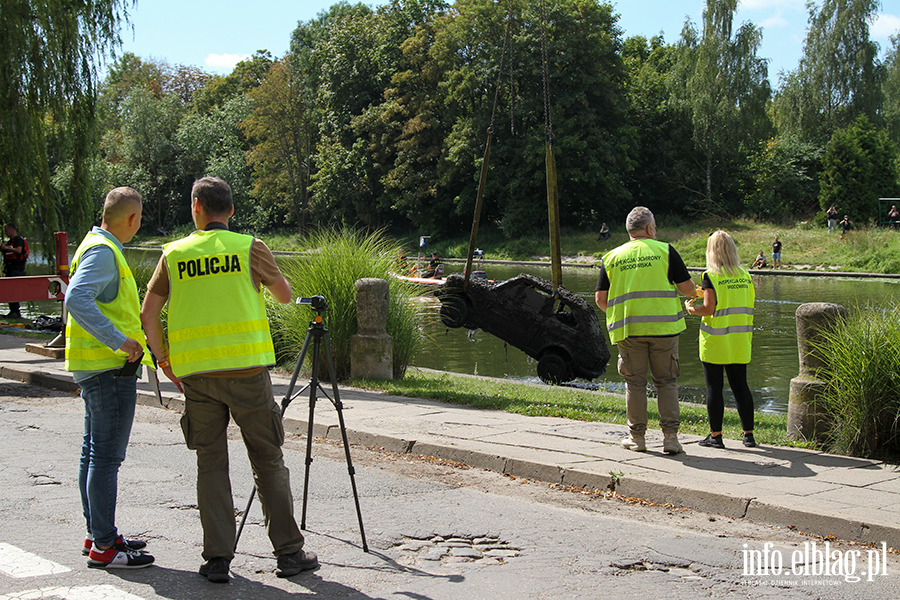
(204, 34)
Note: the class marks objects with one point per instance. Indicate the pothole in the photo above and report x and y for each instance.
(457, 548)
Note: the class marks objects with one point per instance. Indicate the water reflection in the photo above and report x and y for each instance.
(775, 359)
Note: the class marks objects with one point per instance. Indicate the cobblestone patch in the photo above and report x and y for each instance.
(453, 549)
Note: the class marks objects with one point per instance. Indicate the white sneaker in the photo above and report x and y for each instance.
(634, 442)
(671, 445)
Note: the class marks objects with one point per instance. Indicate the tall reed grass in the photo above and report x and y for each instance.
(862, 396)
(332, 263)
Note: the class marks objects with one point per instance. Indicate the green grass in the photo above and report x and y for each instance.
(862, 397)
(570, 403)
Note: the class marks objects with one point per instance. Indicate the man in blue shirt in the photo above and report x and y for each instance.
(103, 340)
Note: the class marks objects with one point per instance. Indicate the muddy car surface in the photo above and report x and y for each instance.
(560, 331)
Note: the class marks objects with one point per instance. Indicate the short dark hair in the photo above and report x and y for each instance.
(10, 226)
(214, 195)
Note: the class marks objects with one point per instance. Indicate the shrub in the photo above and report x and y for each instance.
(862, 396)
(333, 262)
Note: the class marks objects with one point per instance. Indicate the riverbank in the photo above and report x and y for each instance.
(806, 249)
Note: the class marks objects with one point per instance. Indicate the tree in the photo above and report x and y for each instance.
(783, 179)
(838, 77)
(49, 54)
(283, 139)
(891, 90)
(665, 152)
(724, 86)
(859, 166)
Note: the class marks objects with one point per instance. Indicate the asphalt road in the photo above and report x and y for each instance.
(435, 530)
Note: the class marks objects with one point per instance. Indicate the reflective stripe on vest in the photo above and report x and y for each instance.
(83, 351)
(726, 335)
(217, 319)
(642, 301)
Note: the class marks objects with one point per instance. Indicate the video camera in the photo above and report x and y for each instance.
(316, 302)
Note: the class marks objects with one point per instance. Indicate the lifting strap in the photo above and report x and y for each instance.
(552, 193)
(487, 155)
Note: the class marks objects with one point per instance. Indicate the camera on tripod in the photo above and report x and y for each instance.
(316, 302)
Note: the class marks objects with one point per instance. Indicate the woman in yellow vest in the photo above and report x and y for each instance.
(726, 332)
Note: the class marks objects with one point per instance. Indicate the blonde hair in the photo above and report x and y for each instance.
(721, 254)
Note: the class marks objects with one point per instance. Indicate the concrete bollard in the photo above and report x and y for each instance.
(371, 348)
(806, 420)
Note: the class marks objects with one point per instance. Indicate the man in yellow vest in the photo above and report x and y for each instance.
(104, 343)
(218, 349)
(638, 290)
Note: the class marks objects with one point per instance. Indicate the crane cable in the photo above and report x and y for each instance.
(487, 151)
(552, 192)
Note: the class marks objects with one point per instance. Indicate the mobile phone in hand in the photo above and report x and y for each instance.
(131, 368)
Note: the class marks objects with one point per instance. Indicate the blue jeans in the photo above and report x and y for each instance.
(109, 402)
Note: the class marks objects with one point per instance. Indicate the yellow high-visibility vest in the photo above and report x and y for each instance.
(216, 319)
(642, 301)
(726, 335)
(83, 351)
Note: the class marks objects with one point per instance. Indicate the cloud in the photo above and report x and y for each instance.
(225, 61)
(774, 21)
(885, 25)
(764, 4)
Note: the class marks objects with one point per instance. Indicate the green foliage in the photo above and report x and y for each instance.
(862, 398)
(334, 261)
(784, 179)
(858, 167)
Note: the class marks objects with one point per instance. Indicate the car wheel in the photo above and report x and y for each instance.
(553, 368)
(454, 311)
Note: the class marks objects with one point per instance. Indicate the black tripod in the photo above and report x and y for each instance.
(316, 333)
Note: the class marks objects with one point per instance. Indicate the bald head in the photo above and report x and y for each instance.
(120, 204)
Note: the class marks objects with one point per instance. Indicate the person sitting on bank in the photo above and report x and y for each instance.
(760, 262)
(604, 233)
(433, 265)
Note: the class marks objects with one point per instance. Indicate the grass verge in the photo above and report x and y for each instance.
(565, 402)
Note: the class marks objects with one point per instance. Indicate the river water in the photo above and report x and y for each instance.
(775, 359)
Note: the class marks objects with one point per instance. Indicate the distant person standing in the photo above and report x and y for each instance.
(846, 224)
(832, 215)
(638, 290)
(776, 253)
(726, 333)
(14, 257)
(894, 216)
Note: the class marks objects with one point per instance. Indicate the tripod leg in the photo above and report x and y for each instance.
(284, 405)
(338, 406)
(313, 386)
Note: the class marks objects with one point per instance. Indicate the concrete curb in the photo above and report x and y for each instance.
(500, 459)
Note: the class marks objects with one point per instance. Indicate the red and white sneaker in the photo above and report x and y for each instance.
(133, 544)
(118, 556)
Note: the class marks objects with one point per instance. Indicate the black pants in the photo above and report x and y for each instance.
(715, 401)
(14, 269)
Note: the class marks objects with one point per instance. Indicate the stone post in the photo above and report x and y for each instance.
(806, 420)
(371, 348)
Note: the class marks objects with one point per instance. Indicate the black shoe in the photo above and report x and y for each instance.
(713, 441)
(749, 440)
(216, 569)
(296, 562)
